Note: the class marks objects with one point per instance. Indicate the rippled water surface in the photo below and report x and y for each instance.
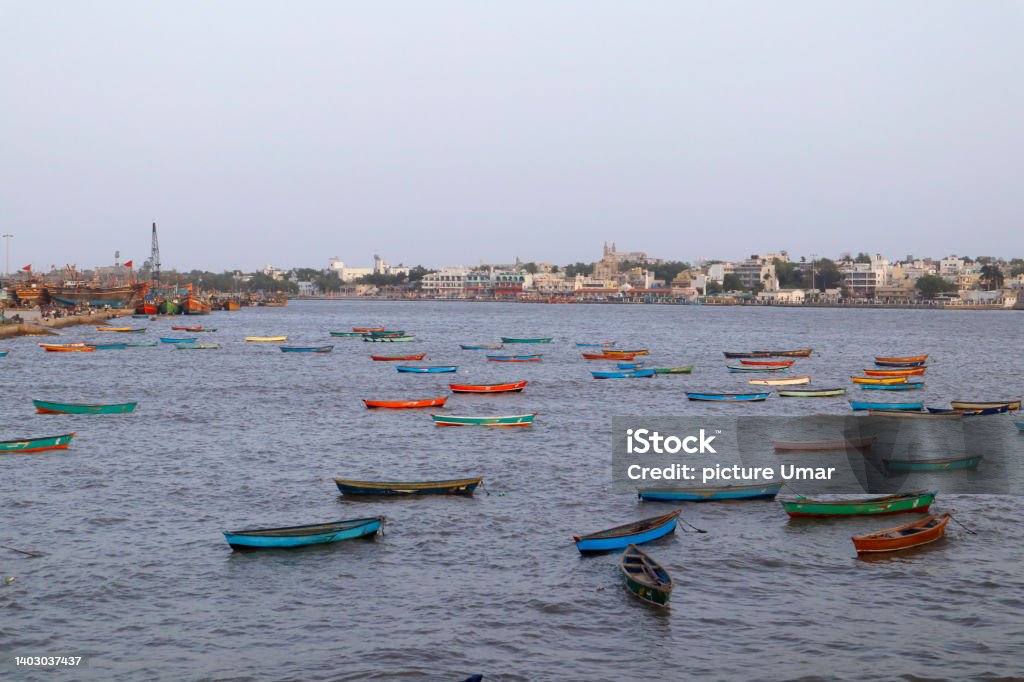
(136, 573)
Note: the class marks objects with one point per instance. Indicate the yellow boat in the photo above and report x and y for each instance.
(266, 339)
(879, 380)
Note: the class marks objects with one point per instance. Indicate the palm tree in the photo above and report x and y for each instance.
(991, 277)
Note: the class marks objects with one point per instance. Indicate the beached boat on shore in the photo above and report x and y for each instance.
(299, 536)
(914, 534)
(645, 578)
(900, 503)
(634, 533)
(459, 486)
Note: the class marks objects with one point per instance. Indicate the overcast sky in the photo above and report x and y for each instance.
(449, 132)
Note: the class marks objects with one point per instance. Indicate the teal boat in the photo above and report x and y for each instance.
(711, 493)
(509, 420)
(348, 335)
(108, 346)
(547, 339)
(48, 407)
(300, 536)
(685, 369)
(1019, 425)
(938, 464)
(141, 344)
(389, 339)
(892, 387)
(860, 405)
(60, 442)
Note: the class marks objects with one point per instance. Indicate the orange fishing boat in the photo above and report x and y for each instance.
(390, 358)
(618, 354)
(911, 371)
(405, 404)
(80, 347)
(488, 388)
(367, 330)
(602, 356)
(928, 529)
(911, 358)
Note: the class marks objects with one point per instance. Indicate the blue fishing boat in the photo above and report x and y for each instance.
(306, 349)
(711, 493)
(482, 346)
(892, 387)
(634, 533)
(166, 339)
(514, 358)
(729, 397)
(859, 405)
(1019, 425)
(627, 374)
(426, 370)
(109, 346)
(884, 363)
(629, 365)
(299, 536)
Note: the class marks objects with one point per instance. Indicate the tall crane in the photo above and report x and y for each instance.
(154, 257)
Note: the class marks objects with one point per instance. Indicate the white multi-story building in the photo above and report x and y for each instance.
(862, 279)
(446, 282)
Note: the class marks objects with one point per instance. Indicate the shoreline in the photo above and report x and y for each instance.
(38, 327)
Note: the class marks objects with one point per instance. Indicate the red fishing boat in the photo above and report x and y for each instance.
(602, 356)
(928, 529)
(488, 388)
(197, 328)
(769, 363)
(366, 330)
(390, 358)
(405, 404)
(146, 309)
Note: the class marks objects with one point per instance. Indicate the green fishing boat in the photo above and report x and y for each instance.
(506, 339)
(686, 369)
(169, 308)
(645, 577)
(48, 407)
(36, 444)
(938, 464)
(348, 335)
(917, 501)
(510, 420)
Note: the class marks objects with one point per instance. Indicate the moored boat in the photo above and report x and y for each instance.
(123, 330)
(513, 387)
(728, 397)
(196, 346)
(934, 464)
(266, 339)
(879, 381)
(167, 339)
(508, 420)
(513, 358)
(712, 493)
(109, 346)
(1002, 409)
(811, 392)
(67, 347)
(624, 374)
(543, 339)
(894, 407)
(39, 444)
(770, 363)
(459, 486)
(617, 354)
(195, 328)
(907, 359)
(306, 349)
(798, 353)
(195, 305)
(909, 386)
(912, 414)
(858, 443)
(782, 381)
(427, 370)
(1019, 425)
(759, 368)
(393, 358)
(895, 372)
(601, 344)
(645, 577)
(630, 365)
(635, 533)
(367, 330)
(50, 407)
(899, 365)
(482, 346)
(389, 339)
(405, 404)
(350, 335)
(298, 536)
(685, 369)
(900, 503)
(602, 356)
(967, 405)
(927, 530)
(141, 344)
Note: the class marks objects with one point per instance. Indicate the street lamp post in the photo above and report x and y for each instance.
(7, 262)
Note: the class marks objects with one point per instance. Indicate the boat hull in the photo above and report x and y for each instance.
(943, 464)
(394, 358)
(645, 578)
(505, 339)
(488, 388)
(882, 506)
(915, 534)
(97, 297)
(36, 444)
(47, 407)
(626, 374)
(404, 404)
(301, 536)
(635, 533)
(462, 486)
(810, 393)
(886, 407)
(688, 369)
(510, 420)
(728, 397)
(427, 370)
(710, 493)
(306, 349)
(964, 405)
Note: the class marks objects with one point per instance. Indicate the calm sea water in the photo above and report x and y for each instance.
(137, 576)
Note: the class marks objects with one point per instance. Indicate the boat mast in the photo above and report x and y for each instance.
(154, 257)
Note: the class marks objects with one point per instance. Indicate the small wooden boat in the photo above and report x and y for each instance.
(798, 353)
(601, 344)
(197, 346)
(142, 344)
(728, 397)
(747, 354)
(910, 386)
(786, 381)
(266, 339)
(196, 328)
(903, 365)
(1002, 409)
(861, 405)
(510, 420)
(306, 349)
(4, 353)
(812, 392)
(386, 332)
(405, 404)
(1019, 425)
(912, 414)
(366, 330)
(895, 372)
(823, 445)
(619, 353)
(602, 356)
(350, 335)
(123, 330)
(685, 369)
(49, 407)
(389, 339)
(770, 363)
(482, 346)
(108, 346)
(928, 529)
(900, 503)
(1013, 405)
(515, 387)
(625, 374)
(630, 365)
(427, 370)
(904, 360)
(645, 577)
(513, 358)
(879, 381)
(36, 444)
(299, 536)
(711, 493)
(935, 464)
(460, 486)
(635, 533)
(547, 339)
(763, 368)
(393, 358)
(67, 347)
(167, 339)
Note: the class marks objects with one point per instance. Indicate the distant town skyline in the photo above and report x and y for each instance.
(445, 133)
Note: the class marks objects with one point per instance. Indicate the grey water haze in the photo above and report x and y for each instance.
(449, 132)
(138, 576)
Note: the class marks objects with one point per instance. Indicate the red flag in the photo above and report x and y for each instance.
(127, 263)
(28, 268)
